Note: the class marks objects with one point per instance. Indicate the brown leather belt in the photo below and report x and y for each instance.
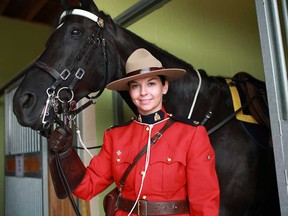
(145, 207)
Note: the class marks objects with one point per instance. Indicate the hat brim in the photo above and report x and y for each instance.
(169, 73)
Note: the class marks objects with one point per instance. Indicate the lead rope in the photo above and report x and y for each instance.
(82, 143)
(145, 169)
(196, 94)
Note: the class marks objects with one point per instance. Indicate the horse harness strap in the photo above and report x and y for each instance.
(231, 116)
(53, 98)
(210, 110)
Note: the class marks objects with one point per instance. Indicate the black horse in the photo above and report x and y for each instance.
(89, 50)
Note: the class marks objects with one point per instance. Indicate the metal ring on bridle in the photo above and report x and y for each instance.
(50, 91)
(65, 88)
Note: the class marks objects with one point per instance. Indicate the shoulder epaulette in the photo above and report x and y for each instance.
(121, 125)
(185, 120)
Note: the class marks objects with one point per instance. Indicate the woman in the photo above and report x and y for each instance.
(178, 170)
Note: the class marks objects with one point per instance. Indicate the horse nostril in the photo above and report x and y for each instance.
(27, 101)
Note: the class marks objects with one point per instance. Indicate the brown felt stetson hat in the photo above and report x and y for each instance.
(140, 64)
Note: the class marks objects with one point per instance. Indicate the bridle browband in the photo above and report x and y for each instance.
(55, 91)
(83, 13)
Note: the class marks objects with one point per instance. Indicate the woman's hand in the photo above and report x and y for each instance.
(61, 139)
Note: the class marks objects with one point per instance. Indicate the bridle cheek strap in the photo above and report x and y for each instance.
(59, 77)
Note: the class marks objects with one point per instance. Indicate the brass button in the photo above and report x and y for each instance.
(142, 172)
(118, 159)
(169, 159)
(196, 122)
(147, 128)
(144, 197)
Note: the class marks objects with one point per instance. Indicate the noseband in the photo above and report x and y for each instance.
(56, 94)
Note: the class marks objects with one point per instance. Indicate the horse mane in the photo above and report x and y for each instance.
(185, 86)
(167, 59)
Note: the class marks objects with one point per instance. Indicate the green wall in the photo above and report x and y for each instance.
(20, 44)
(218, 36)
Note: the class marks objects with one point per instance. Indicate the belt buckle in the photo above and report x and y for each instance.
(142, 208)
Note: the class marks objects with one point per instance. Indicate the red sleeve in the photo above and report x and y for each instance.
(203, 187)
(98, 174)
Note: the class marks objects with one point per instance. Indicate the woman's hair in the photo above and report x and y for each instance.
(163, 79)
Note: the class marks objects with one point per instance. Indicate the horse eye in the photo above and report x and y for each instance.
(76, 32)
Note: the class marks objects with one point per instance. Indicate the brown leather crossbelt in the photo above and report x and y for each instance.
(145, 207)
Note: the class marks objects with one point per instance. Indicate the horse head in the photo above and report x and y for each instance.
(74, 64)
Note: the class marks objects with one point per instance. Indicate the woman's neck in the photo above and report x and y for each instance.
(153, 117)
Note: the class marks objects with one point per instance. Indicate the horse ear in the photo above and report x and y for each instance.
(89, 5)
(66, 4)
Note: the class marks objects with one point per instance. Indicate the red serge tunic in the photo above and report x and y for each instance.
(182, 164)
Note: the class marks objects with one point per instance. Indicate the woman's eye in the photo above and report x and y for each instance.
(134, 86)
(151, 84)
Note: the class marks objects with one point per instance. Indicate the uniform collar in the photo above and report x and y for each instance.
(153, 117)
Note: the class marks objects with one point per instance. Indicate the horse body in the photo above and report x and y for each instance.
(242, 165)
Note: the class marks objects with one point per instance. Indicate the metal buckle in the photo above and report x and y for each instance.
(80, 73)
(65, 74)
(142, 208)
(159, 135)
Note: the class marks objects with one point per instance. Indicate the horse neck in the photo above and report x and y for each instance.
(212, 98)
(125, 42)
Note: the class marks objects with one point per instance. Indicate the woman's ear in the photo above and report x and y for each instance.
(165, 87)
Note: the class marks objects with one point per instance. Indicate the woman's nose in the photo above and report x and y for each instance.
(143, 90)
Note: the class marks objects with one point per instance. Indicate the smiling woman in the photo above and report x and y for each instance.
(186, 148)
(146, 94)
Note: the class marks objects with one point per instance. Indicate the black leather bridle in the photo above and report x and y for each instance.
(55, 92)
(59, 95)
